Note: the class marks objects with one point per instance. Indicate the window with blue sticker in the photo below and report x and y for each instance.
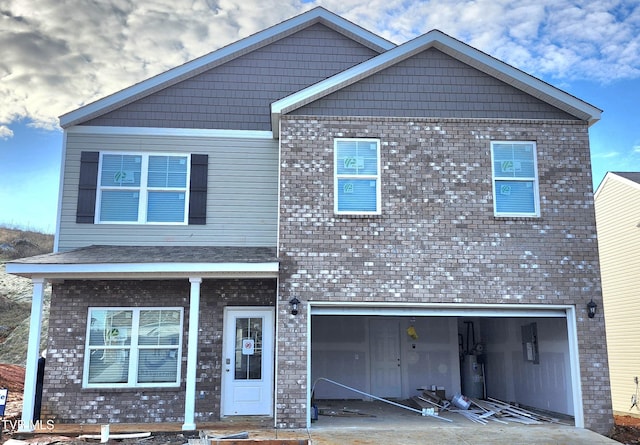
(515, 179)
(357, 176)
(130, 347)
(143, 188)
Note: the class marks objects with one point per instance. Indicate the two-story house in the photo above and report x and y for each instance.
(315, 201)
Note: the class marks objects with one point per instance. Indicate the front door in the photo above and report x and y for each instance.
(247, 367)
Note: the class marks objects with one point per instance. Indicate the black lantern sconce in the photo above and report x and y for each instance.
(591, 308)
(294, 302)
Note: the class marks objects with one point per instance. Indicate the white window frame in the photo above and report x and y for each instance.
(533, 180)
(337, 177)
(143, 189)
(134, 349)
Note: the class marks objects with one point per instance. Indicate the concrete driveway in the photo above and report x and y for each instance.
(493, 434)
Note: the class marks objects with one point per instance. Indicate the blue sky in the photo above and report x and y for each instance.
(54, 62)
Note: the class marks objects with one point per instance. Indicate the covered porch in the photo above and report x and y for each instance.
(140, 264)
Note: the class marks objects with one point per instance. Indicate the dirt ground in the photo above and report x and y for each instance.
(12, 378)
(627, 430)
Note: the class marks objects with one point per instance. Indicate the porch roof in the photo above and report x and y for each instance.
(150, 262)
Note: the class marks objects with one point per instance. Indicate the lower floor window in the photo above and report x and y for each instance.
(133, 347)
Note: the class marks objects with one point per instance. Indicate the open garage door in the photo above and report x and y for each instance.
(525, 355)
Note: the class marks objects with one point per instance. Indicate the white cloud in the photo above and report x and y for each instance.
(66, 53)
(607, 155)
(62, 54)
(5, 132)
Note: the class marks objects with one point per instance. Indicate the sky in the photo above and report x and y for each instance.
(60, 55)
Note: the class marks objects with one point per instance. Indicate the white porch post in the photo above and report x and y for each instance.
(192, 356)
(33, 353)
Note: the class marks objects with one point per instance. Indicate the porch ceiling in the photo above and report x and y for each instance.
(150, 262)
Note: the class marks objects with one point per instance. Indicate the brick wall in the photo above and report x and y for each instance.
(437, 239)
(64, 399)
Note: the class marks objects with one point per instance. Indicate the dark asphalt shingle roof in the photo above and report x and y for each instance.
(156, 254)
(632, 176)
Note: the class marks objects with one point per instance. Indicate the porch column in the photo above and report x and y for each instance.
(192, 356)
(33, 353)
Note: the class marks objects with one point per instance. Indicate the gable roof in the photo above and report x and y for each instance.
(631, 179)
(222, 55)
(454, 48)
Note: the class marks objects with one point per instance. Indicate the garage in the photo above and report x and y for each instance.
(525, 354)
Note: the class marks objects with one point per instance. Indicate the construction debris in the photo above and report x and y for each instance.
(107, 436)
(423, 412)
(480, 411)
(429, 403)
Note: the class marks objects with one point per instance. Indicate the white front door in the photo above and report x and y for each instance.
(247, 362)
(386, 372)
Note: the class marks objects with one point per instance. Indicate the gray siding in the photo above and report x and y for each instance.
(242, 201)
(237, 95)
(432, 84)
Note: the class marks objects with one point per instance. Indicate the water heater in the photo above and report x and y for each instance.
(472, 377)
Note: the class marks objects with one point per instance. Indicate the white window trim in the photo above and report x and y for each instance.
(143, 189)
(377, 178)
(133, 347)
(534, 180)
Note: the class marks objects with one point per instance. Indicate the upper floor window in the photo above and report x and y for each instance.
(515, 179)
(133, 347)
(143, 188)
(357, 176)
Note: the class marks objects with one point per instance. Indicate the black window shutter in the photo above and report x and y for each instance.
(198, 189)
(86, 209)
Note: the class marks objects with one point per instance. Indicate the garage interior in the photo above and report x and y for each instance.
(516, 359)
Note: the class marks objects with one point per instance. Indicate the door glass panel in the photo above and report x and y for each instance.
(248, 349)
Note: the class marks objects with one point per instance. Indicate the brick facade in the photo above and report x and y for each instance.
(437, 239)
(64, 399)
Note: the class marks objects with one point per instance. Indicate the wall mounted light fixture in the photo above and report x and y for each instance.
(591, 308)
(294, 302)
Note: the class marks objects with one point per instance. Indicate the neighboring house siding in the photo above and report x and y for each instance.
(437, 240)
(64, 399)
(432, 84)
(242, 201)
(237, 95)
(618, 216)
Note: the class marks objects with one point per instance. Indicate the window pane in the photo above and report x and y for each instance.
(166, 207)
(158, 365)
(248, 350)
(357, 195)
(108, 365)
(110, 327)
(121, 170)
(159, 327)
(357, 158)
(513, 160)
(119, 205)
(515, 197)
(167, 171)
